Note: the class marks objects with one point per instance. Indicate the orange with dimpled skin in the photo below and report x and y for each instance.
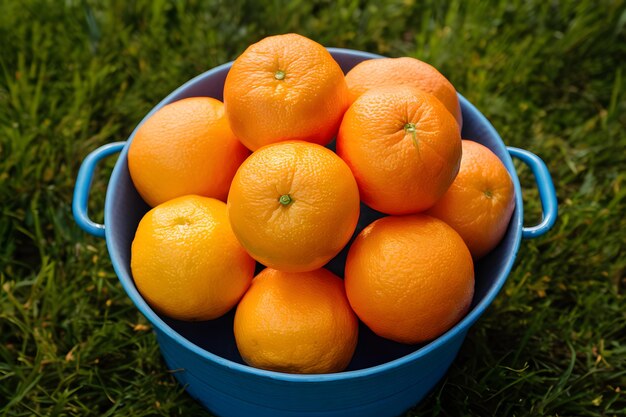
(480, 202)
(296, 322)
(186, 261)
(186, 147)
(293, 205)
(403, 146)
(285, 87)
(409, 278)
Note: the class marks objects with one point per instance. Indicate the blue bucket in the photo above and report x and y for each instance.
(384, 378)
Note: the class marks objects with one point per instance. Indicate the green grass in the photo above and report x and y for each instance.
(78, 74)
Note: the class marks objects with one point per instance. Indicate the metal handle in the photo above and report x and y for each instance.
(83, 185)
(547, 194)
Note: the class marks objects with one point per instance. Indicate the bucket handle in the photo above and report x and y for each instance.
(547, 194)
(83, 185)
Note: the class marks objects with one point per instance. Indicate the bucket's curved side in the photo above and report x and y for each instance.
(229, 393)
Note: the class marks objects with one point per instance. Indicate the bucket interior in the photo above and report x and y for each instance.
(216, 336)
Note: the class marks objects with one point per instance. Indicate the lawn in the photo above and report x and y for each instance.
(550, 76)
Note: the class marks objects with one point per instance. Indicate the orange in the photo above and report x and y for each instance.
(403, 71)
(285, 87)
(409, 278)
(186, 147)
(293, 205)
(403, 146)
(186, 261)
(480, 201)
(296, 322)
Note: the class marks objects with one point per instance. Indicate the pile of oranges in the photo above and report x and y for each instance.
(250, 180)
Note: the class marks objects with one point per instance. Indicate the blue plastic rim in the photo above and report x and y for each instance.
(386, 388)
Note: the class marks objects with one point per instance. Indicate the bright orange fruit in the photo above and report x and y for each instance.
(186, 147)
(403, 71)
(293, 205)
(285, 87)
(480, 201)
(296, 322)
(409, 278)
(403, 146)
(186, 262)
